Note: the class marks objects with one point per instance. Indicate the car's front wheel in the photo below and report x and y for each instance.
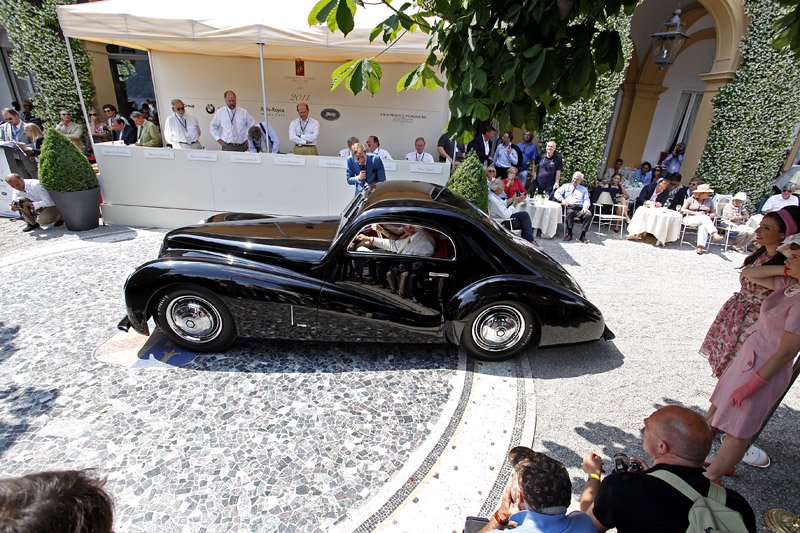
(498, 331)
(196, 319)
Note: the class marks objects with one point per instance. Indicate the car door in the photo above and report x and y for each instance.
(385, 296)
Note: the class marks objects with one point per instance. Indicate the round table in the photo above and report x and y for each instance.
(545, 215)
(664, 224)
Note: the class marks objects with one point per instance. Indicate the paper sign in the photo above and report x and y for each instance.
(389, 165)
(159, 154)
(200, 155)
(116, 151)
(425, 168)
(290, 161)
(333, 163)
(253, 159)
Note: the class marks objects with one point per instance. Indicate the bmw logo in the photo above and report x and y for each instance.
(210, 109)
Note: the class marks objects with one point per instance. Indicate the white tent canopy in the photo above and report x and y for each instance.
(232, 28)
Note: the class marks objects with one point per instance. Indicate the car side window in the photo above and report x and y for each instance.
(403, 239)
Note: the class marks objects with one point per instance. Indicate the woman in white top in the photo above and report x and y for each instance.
(699, 212)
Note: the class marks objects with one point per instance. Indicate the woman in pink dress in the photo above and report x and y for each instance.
(762, 371)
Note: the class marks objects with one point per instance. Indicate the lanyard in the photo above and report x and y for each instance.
(231, 115)
(419, 157)
(303, 127)
(181, 120)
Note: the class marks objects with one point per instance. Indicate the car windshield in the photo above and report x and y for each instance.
(352, 209)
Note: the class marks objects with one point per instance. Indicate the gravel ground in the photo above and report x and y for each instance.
(61, 298)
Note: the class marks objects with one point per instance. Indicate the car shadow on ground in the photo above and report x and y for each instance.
(7, 344)
(575, 360)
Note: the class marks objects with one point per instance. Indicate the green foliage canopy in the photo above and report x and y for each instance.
(513, 60)
(62, 167)
(468, 180)
(39, 49)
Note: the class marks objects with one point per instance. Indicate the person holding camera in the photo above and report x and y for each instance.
(33, 203)
(364, 169)
(678, 441)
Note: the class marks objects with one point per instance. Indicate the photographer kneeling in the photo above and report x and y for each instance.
(33, 203)
(678, 440)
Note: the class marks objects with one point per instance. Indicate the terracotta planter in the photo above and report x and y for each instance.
(80, 209)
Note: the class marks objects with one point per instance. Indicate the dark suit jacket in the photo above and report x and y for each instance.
(477, 145)
(680, 196)
(648, 191)
(127, 135)
(375, 171)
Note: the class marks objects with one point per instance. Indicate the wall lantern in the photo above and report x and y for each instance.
(668, 41)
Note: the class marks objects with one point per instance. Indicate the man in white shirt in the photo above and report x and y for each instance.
(230, 125)
(575, 198)
(347, 152)
(779, 201)
(304, 132)
(500, 209)
(419, 154)
(181, 130)
(33, 203)
(13, 131)
(413, 241)
(374, 147)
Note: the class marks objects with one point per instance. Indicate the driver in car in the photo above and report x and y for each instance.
(413, 241)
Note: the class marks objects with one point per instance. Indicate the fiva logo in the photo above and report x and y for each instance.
(330, 114)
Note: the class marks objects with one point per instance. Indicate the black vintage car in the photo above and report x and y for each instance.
(405, 262)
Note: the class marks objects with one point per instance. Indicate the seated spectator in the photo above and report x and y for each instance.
(72, 130)
(363, 169)
(614, 170)
(491, 174)
(735, 216)
(347, 152)
(99, 130)
(505, 156)
(500, 209)
(654, 195)
(575, 199)
(123, 131)
(146, 132)
(657, 174)
(699, 212)
(419, 154)
(33, 203)
(413, 241)
(33, 148)
(779, 201)
(537, 497)
(374, 147)
(677, 440)
(111, 113)
(616, 199)
(513, 185)
(69, 501)
(643, 174)
(677, 192)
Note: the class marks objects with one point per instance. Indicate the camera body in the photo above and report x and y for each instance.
(19, 202)
(623, 465)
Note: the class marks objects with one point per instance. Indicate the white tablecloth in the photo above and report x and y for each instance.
(544, 215)
(664, 224)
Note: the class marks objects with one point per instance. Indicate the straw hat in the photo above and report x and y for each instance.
(705, 187)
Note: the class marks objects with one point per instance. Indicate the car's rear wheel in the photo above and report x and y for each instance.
(197, 319)
(498, 331)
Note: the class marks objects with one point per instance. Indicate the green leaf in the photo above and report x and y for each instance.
(319, 13)
(357, 80)
(344, 16)
(478, 79)
(481, 111)
(533, 69)
(343, 73)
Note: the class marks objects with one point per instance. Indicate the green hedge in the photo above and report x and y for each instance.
(62, 167)
(468, 180)
(755, 113)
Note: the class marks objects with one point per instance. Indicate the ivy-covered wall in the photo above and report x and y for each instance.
(755, 113)
(580, 128)
(39, 49)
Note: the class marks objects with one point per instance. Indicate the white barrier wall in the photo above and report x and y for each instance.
(170, 188)
(395, 118)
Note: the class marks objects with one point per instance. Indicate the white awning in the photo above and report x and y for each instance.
(232, 28)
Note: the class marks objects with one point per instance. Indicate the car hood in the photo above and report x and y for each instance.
(281, 240)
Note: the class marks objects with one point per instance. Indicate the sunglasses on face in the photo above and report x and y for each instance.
(492, 171)
(92, 114)
(179, 109)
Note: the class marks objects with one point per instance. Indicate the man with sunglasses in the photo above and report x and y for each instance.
(72, 130)
(182, 130)
(779, 201)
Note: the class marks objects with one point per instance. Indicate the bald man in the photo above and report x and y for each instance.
(678, 441)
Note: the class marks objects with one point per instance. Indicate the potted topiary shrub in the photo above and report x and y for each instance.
(468, 180)
(72, 183)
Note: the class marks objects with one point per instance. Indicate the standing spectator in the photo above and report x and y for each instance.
(614, 170)
(111, 113)
(505, 156)
(72, 130)
(419, 154)
(547, 171)
(13, 130)
(123, 131)
(97, 127)
(230, 125)
(146, 132)
(347, 152)
(269, 133)
(182, 130)
(304, 132)
(674, 161)
(482, 144)
(644, 173)
(779, 201)
(27, 115)
(36, 207)
(364, 169)
(449, 150)
(575, 199)
(529, 154)
(374, 147)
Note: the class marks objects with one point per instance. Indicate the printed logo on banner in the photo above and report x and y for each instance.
(330, 114)
(299, 68)
(403, 118)
(210, 109)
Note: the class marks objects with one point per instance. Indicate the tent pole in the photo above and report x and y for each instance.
(263, 87)
(80, 92)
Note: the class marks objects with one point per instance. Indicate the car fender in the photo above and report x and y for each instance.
(147, 283)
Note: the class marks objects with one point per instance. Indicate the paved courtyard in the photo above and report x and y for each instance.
(282, 436)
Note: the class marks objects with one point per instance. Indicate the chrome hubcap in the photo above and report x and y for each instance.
(194, 319)
(498, 328)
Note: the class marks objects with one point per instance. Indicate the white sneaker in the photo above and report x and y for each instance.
(757, 457)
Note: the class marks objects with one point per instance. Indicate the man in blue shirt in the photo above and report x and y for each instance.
(575, 199)
(529, 153)
(505, 156)
(363, 169)
(644, 174)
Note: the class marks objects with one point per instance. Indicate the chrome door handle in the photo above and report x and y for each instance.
(439, 274)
